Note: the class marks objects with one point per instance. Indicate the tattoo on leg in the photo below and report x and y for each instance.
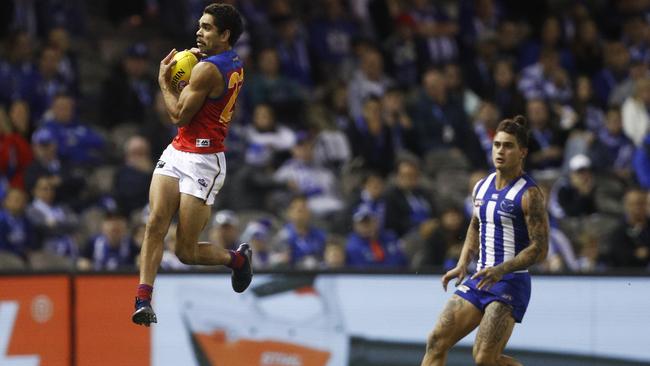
(447, 317)
(446, 320)
(494, 326)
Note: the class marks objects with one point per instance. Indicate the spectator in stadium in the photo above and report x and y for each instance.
(371, 139)
(224, 230)
(611, 151)
(41, 88)
(575, 195)
(132, 178)
(587, 48)
(20, 118)
(68, 67)
(370, 196)
(590, 116)
(405, 52)
(69, 182)
(628, 245)
(17, 65)
(368, 246)
(15, 155)
(397, 118)
(111, 249)
(54, 223)
(303, 242)
(129, 90)
(331, 34)
(636, 118)
(550, 38)
(484, 128)
(443, 247)
(437, 29)
(615, 70)
(16, 231)
(265, 131)
(440, 122)
(77, 143)
(504, 92)
(641, 163)
(638, 70)
(253, 186)
(369, 79)
(546, 79)
(547, 141)
(293, 53)
(408, 205)
(303, 176)
(268, 85)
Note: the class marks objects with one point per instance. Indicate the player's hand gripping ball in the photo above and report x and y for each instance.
(182, 70)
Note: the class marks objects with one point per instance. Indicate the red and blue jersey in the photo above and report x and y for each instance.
(206, 132)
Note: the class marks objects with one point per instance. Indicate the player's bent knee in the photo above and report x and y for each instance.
(485, 359)
(184, 255)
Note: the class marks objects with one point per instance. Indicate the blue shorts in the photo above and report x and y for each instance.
(513, 290)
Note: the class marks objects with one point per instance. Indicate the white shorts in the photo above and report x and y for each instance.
(199, 175)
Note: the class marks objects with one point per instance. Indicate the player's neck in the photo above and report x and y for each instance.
(505, 176)
(219, 50)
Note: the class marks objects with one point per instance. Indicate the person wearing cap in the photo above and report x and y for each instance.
(69, 182)
(224, 231)
(368, 246)
(574, 196)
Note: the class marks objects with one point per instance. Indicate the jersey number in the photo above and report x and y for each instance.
(236, 81)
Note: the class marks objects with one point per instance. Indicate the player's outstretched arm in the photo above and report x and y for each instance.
(470, 248)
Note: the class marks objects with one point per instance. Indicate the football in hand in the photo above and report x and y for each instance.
(181, 71)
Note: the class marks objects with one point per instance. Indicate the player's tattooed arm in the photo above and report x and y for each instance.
(470, 247)
(538, 229)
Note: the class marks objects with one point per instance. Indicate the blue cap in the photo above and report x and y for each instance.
(43, 136)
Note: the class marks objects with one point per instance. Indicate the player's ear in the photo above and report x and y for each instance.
(524, 152)
(225, 35)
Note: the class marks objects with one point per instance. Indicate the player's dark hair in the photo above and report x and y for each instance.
(517, 126)
(226, 17)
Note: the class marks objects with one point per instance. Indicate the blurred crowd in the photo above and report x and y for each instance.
(360, 131)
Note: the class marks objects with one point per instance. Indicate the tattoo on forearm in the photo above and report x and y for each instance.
(470, 247)
(537, 224)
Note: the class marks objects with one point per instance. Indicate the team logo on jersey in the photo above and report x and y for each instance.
(160, 164)
(507, 206)
(462, 288)
(507, 297)
(202, 142)
(478, 203)
(202, 182)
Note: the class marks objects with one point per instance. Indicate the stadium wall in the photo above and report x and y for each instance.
(304, 320)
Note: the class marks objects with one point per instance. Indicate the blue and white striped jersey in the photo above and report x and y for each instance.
(503, 232)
